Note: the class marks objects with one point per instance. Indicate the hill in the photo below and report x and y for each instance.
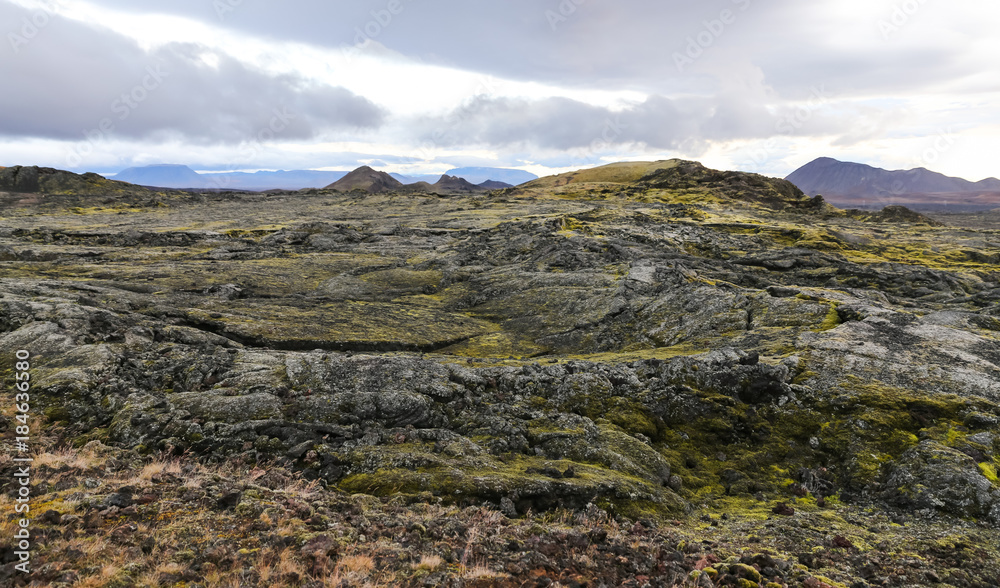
(368, 180)
(453, 185)
(853, 184)
(445, 185)
(616, 173)
(478, 175)
(677, 181)
(492, 185)
(46, 180)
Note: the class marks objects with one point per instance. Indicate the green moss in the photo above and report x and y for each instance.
(499, 344)
(990, 471)
(832, 319)
(356, 325)
(953, 436)
(475, 479)
(626, 413)
(404, 279)
(873, 424)
(98, 434)
(56, 413)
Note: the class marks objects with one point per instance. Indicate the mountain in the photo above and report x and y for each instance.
(366, 179)
(849, 184)
(478, 175)
(429, 178)
(373, 181)
(182, 176)
(475, 176)
(274, 180)
(446, 185)
(164, 176)
(453, 184)
(494, 185)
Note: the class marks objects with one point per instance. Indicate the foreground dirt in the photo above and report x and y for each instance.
(108, 517)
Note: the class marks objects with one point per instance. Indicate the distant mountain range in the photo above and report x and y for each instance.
(183, 177)
(478, 175)
(44, 180)
(847, 184)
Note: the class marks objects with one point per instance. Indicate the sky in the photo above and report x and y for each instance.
(422, 86)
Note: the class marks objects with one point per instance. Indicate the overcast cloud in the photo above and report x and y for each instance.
(423, 85)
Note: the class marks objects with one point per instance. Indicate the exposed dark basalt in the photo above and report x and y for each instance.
(34, 179)
(771, 192)
(634, 351)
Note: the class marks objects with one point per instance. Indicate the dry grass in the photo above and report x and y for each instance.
(159, 465)
(82, 459)
(277, 569)
(289, 527)
(356, 570)
(289, 565)
(103, 577)
(480, 571)
(429, 563)
(303, 489)
(170, 568)
(8, 524)
(90, 547)
(356, 564)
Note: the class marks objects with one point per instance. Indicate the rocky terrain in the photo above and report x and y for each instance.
(646, 374)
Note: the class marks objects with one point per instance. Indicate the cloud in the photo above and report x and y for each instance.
(589, 42)
(578, 81)
(594, 43)
(73, 79)
(657, 123)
